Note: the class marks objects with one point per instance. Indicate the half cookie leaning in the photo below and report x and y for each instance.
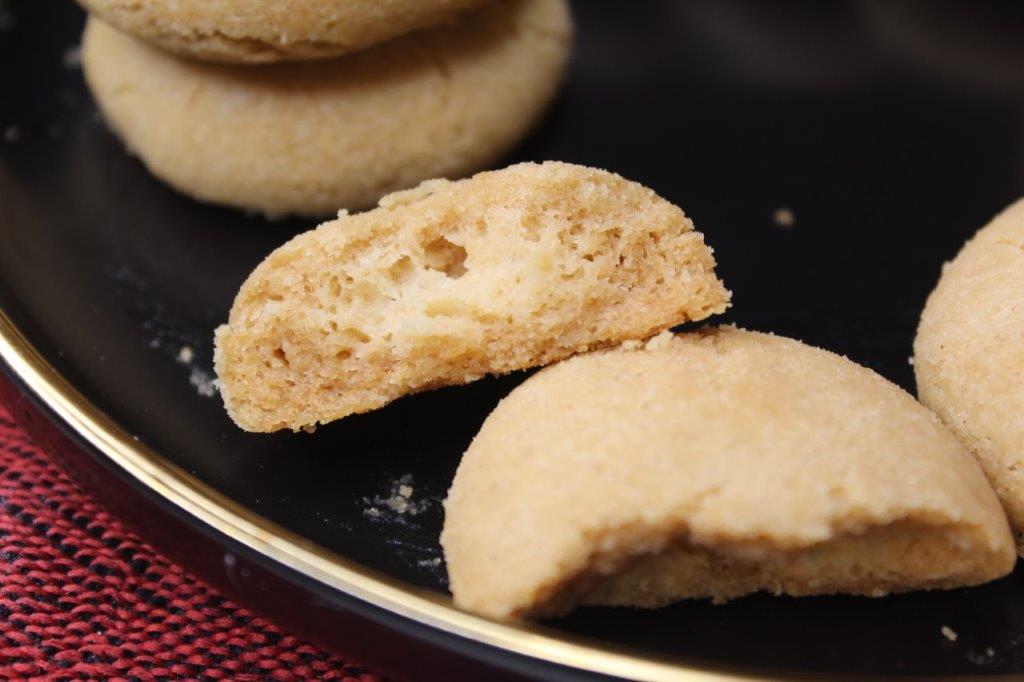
(712, 465)
(453, 280)
(310, 138)
(969, 354)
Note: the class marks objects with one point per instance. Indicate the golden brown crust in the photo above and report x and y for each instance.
(712, 465)
(969, 353)
(241, 31)
(443, 284)
(313, 137)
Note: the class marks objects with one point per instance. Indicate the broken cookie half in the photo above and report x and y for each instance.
(454, 280)
(713, 465)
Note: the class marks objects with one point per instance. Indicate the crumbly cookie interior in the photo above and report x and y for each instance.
(451, 281)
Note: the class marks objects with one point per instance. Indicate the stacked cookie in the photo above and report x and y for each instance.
(650, 467)
(307, 107)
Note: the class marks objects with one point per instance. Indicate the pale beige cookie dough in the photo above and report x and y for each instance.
(969, 353)
(448, 282)
(312, 138)
(713, 465)
(271, 30)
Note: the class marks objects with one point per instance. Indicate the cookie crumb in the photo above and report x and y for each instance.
(399, 499)
(398, 504)
(205, 384)
(406, 197)
(783, 217)
(949, 633)
(186, 355)
(632, 344)
(910, 361)
(659, 342)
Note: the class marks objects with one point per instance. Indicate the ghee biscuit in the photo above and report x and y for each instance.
(713, 465)
(969, 354)
(453, 280)
(311, 138)
(242, 31)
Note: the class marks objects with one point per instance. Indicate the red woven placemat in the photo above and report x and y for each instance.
(81, 597)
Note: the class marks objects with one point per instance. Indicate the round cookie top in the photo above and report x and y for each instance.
(969, 353)
(244, 31)
(311, 138)
(713, 464)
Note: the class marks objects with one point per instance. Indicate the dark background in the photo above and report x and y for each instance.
(891, 129)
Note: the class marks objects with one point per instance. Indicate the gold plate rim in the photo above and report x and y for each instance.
(425, 607)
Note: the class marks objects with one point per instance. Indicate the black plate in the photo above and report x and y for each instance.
(891, 129)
